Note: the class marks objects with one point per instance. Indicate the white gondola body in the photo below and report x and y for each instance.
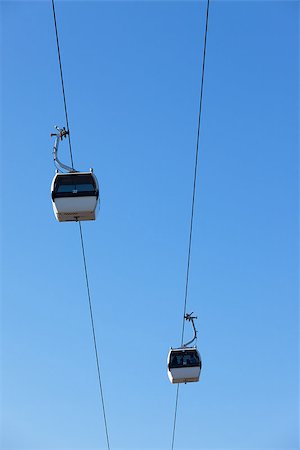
(72, 206)
(75, 209)
(184, 373)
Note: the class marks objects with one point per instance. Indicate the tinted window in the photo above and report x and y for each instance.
(73, 183)
(184, 359)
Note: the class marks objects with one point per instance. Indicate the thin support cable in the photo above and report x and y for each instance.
(81, 237)
(192, 208)
(94, 336)
(62, 82)
(195, 174)
(175, 415)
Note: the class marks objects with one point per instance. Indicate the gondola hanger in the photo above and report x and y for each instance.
(60, 135)
(75, 195)
(191, 318)
(184, 363)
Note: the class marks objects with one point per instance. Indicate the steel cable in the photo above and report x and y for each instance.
(62, 82)
(192, 209)
(94, 335)
(82, 242)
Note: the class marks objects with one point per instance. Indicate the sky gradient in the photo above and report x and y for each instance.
(132, 73)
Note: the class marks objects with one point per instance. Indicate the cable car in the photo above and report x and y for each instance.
(74, 196)
(184, 365)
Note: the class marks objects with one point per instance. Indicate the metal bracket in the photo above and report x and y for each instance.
(62, 133)
(191, 318)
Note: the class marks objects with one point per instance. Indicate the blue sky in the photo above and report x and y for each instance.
(132, 76)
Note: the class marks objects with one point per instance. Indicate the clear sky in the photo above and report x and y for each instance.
(132, 76)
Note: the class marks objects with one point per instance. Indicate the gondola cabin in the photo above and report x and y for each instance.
(75, 196)
(184, 365)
